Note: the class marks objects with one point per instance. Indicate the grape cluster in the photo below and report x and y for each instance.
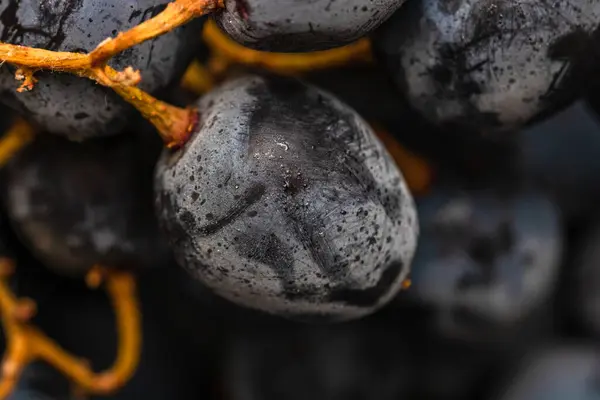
(346, 199)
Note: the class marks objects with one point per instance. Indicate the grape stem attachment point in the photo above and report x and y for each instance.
(25, 343)
(174, 124)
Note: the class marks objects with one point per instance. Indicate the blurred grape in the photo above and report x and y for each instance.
(486, 261)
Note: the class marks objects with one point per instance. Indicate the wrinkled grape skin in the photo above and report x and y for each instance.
(491, 65)
(80, 204)
(291, 25)
(284, 200)
(486, 261)
(71, 106)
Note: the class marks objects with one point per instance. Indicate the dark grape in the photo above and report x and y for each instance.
(74, 107)
(290, 25)
(80, 204)
(486, 260)
(491, 65)
(285, 201)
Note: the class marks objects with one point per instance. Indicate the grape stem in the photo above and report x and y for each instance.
(29, 60)
(197, 79)
(232, 52)
(26, 343)
(177, 13)
(226, 53)
(93, 65)
(174, 124)
(19, 135)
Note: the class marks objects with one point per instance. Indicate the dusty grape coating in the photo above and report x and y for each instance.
(567, 371)
(291, 25)
(284, 200)
(486, 260)
(76, 205)
(71, 106)
(491, 65)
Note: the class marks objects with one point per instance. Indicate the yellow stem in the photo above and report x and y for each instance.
(93, 65)
(285, 63)
(197, 79)
(174, 124)
(26, 344)
(19, 135)
(225, 53)
(30, 59)
(177, 13)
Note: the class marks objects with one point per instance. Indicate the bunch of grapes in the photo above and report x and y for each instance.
(346, 199)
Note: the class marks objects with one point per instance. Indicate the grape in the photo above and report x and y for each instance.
(289, 25)
(283, 200)
(491, 65)
(567, 371)
(486, 260)
(75, 107)
(80, 204)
